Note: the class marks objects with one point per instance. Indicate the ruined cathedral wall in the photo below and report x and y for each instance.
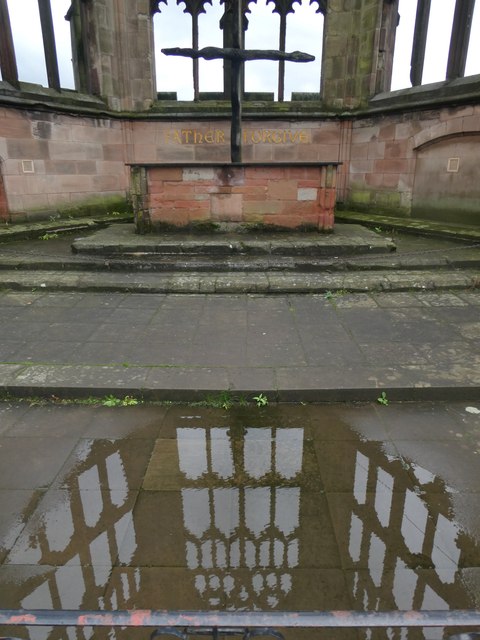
(56, 163)
(421, 163)
(208, 140)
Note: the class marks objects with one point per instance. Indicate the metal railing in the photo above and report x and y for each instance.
(183, 624)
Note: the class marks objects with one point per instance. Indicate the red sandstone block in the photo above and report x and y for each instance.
(259, 153)
(330, 196)
(160, 206)
(323, 137)
(471, 123)
(191, 204)
(269, 173)
(36, 201)
(114, 152)
(261, 207)
(227, 208)
(199, 217)
(361, 165)
(398, 149)
(15, 128)
(298, 173)
(90, 167)
(167, 173)
(178, 218)
(257, 182)
(230, 176)
(406, 129)
(301, 209)
(456, 112)
(178, 193)
(290, 222)
(106, 183)
(254, 197)
(321, 198)
(374, 179)
(156, 187)
(359, 150)
(309, 184)
(364, 134)
(454, 126)
(391, 165)
(206, 189)
(326, 221)
(282, 189)
(249, 190)
(376, 150)
(390, 180)
(387, 132)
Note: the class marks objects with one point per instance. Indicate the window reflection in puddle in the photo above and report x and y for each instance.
(244, 518)
(244, 525)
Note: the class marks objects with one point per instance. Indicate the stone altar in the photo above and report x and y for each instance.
(255, 195)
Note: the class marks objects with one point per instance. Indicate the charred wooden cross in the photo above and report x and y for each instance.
(237, 56)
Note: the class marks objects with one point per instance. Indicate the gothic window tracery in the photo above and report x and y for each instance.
(265, 26)
(22, 40)
(443, 39)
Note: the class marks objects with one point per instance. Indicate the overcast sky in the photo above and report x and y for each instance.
(304, 27)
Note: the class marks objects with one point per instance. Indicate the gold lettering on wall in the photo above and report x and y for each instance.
(250, 136)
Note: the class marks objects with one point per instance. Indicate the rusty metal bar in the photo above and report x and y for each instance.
(281, 63)
(252, 620)
(195, 65)
(237, 85)
(48, 35)
(8, 62)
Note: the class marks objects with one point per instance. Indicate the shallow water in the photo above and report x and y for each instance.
(356, 507)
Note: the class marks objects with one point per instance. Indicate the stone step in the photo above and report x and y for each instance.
(121, 240)
(183, 263)
(331, 284)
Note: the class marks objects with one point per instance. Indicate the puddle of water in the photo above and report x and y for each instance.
(306, 508)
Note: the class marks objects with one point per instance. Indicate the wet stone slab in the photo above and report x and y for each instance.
(279, 508)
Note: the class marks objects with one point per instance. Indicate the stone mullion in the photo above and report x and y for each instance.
(462, 23)
(48, 35)
(419, 42)
(386, 47)
(8, 63)
(282, 7)
(195, 8)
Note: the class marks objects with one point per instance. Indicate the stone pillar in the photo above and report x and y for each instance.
(116, 51)
(359, 36)
(3, 198)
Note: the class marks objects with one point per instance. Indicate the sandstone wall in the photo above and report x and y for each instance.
(422, 162)
(55, 162)
(396, 166)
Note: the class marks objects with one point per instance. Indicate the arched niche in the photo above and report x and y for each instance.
(447, 179)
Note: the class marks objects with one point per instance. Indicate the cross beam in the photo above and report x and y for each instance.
(238, 56)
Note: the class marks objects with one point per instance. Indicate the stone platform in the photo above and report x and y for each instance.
(348, 239)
